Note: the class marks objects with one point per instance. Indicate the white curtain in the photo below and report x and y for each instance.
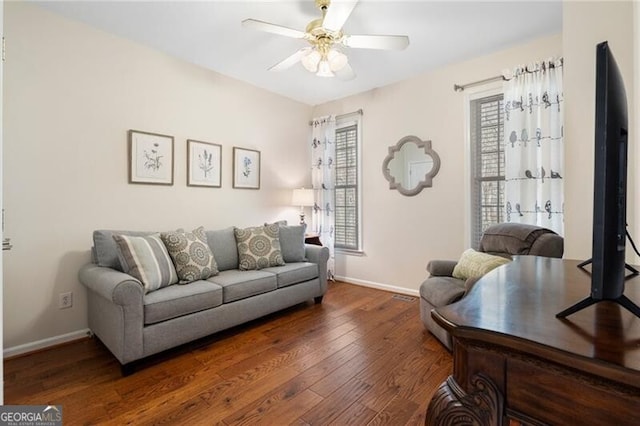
(534, 145)
(323, 149)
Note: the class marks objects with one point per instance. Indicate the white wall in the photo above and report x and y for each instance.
(401, 234)
(584, 25)
(71, 94)
(634, 213)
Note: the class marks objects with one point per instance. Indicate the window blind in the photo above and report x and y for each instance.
(346, 188)
(487, 153)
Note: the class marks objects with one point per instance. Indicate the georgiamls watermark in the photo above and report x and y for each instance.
(30, 415)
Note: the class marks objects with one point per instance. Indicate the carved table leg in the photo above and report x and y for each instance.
(451, 405)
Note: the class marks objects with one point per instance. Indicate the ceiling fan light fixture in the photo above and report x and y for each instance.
(324, 55)
(311, 60)
(337, 60)
(324, 69)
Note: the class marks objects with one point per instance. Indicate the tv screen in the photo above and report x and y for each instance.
(608, 268)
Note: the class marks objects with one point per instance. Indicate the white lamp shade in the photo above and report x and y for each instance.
(337, 60)
(302, 197)
(311, 60)
(324, 70)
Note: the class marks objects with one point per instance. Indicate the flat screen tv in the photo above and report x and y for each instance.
(608, 268)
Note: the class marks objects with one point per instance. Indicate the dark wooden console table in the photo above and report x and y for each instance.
(312, 239)
(515, 362)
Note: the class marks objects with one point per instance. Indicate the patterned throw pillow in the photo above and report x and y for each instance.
(191, 254)
(474, 264)
(258, 247)
(146, 259)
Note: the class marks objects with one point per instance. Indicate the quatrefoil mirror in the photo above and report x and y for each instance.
(411, 165)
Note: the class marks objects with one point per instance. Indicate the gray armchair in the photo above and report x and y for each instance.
(504, 239)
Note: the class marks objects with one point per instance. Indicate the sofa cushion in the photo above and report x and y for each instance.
(258, 247)
(179, 300)
(223, 245)
(292, 243)
(191, 254)
(238, 285)
(146, 259)
(105, 248)
(442, 291)
(294, 273)
(474, 264)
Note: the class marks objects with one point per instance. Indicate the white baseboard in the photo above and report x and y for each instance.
(45, 343)
(379, 286)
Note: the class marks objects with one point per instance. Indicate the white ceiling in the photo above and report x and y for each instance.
(209, 34)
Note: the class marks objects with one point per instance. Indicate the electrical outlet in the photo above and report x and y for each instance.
(65, 300)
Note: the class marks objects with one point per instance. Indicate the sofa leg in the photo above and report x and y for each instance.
(318, 299)
(127, 369)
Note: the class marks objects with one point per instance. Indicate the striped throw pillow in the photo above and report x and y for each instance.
(146, 258)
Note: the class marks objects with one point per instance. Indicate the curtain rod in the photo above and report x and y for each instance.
(559, 62)
(360, 112)
(349, 113)
(461, 87)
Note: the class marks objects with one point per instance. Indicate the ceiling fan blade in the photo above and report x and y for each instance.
(272, 28)
(382, 42)
(337, 14)
(345, 73)
(291, 60)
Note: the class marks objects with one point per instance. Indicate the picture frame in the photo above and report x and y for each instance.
(150, 158)
(246, 168)
(204, 164)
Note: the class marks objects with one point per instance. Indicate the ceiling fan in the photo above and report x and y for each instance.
(324, 56)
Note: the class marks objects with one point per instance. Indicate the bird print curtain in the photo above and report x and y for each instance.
(323, 150)
(534, 146)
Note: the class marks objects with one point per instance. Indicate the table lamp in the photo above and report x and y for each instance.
(303, 198)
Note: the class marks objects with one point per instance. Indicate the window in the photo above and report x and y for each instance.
(347, 187)
(487, 164)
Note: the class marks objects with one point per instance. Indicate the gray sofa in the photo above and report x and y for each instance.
(134, 325)
(503, 239)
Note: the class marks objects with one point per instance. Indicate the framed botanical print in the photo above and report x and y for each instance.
(246, 168)
(204, 164)
(150, 158)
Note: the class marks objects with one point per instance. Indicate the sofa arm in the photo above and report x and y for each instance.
(319, 255)
(441, 268)
(115, 286)
(116, 310)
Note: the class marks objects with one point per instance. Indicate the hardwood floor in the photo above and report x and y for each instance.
(361, 357)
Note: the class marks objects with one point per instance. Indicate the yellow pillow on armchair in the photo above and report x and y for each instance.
(474, 264)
